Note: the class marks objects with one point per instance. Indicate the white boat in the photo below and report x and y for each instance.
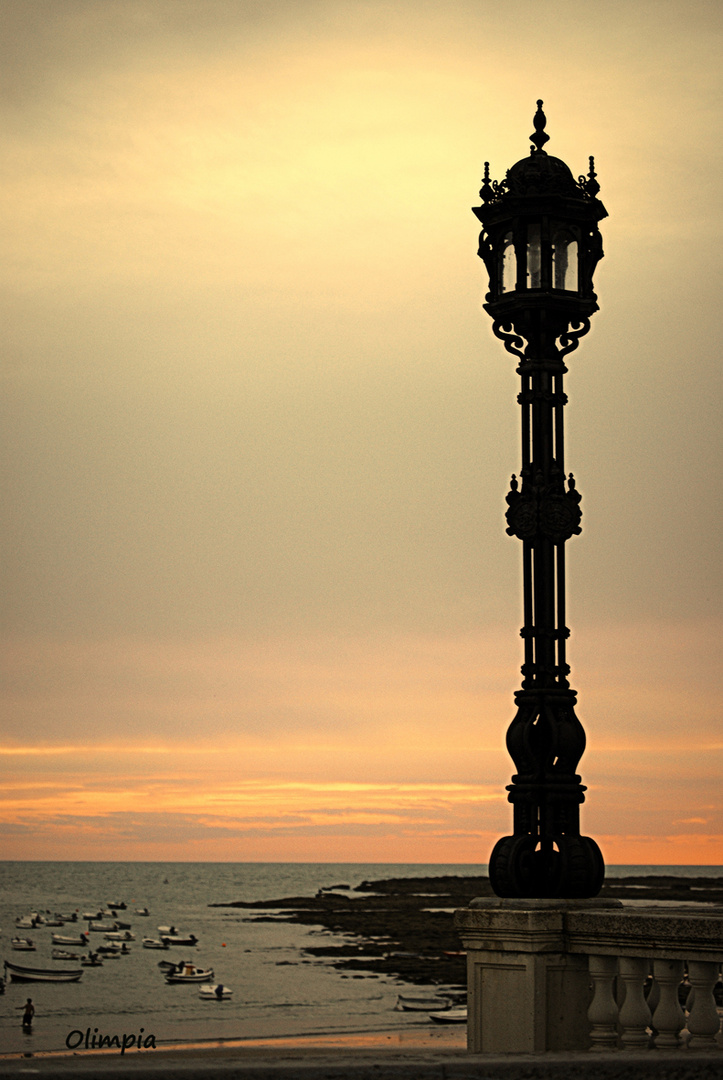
(456, 1015)
(215, 993)
(154, 943)
(23, 944)
(117, 905)
(63, 954)
(92, 915)
(63, 939)
(168, 930)
(421, 1003)
(101, 928)
(29, 922)
(189, 973)
(26, 974)
(55, 920)
(120, 935)
(142, 911)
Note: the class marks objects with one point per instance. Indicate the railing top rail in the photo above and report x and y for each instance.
(592, 929)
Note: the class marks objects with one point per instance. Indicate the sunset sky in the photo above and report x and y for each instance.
(258, 600)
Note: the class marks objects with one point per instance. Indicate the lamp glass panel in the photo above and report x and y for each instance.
(508, 264)
(534, 257)
(564, 262)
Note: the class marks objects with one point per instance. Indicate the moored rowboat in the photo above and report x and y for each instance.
(63, 939)
(63, 954)
(25, 974)
(456, 1015)
(421, 1002)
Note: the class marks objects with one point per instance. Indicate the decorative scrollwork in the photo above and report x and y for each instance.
(512, 342)
(570, 340)
(543, 510)
(589, 183)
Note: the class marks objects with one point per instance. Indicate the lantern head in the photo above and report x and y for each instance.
(540, 243)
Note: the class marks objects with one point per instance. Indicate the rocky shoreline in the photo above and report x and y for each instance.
(404, 927)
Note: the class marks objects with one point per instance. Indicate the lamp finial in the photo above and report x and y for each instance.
(539, 138)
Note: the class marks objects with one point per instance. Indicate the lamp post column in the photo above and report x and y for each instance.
(540, 311)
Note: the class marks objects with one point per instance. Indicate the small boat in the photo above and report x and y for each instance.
(101, 928)
(215, 993)
(154, 943)
(62, 939)
(176, 939)
(117, 905)
(91, 960)
(55, 920)
(26, 974)
(92, 915)
(142, 911)
(63, 954)
(190, 973)
(23, 944)
(71, 917)
(108, 950)
(420, 1003)
(121, 925)
(29, 922)
(168, 930)
(120, 935)
(456, 1015)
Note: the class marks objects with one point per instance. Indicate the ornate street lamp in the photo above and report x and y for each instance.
(540, 243)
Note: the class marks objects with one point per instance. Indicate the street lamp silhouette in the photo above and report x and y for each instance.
(540, 243)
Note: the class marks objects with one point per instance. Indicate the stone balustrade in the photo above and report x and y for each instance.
(590, 974)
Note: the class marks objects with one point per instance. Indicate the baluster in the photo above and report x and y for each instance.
(603, 1011)
(651, 991)
(634, 1015)
(703, 1019)
(668, 1018)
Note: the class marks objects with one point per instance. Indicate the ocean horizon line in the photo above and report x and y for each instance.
(322, 862)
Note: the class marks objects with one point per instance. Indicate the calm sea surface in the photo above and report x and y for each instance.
(277, 990)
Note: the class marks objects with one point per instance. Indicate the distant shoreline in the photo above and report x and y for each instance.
(404, 927)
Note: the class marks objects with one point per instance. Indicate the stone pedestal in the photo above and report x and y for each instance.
(526, 992)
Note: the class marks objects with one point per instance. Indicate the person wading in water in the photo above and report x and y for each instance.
(28, 1013)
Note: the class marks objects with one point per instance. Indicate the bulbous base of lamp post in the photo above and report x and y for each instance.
(546, 857)
(561, 867)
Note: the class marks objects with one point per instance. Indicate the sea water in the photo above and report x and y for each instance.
(278, 990)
